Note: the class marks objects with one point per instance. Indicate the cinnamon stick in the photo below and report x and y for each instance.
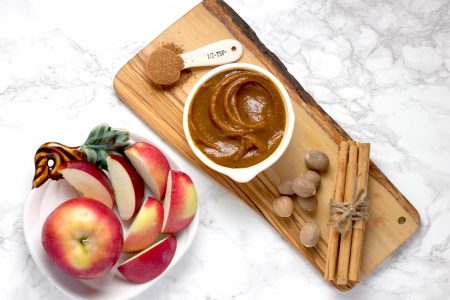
(359, 225)
(338, 194)
(346, 237)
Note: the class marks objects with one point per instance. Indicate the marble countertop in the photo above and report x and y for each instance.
(381, 69)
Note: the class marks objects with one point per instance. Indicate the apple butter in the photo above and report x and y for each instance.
(237, 118)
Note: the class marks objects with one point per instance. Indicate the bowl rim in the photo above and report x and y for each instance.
(244, 174)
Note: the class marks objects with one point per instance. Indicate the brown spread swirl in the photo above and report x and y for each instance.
(237, 118)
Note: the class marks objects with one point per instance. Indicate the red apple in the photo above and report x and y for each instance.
(145, 227)
(151, 262)
(83, 237)
(180, 203)
(88, 180)
(152, 165)
(127, 184)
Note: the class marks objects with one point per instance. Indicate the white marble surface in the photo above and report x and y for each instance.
(379, 68)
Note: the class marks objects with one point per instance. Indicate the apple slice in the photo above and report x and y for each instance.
(88, 180)
(152, 165)
(180, 203)
(127, 184)
(151, 262)
(145, 227)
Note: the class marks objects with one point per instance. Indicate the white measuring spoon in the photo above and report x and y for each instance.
(214, 54)
(218, 53)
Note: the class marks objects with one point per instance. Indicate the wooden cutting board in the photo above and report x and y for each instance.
(392, 218)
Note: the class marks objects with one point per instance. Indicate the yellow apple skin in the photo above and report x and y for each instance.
(145, 227)
(83, 237)
(180, 203)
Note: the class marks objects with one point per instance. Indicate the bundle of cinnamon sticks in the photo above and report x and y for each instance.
(346, 236)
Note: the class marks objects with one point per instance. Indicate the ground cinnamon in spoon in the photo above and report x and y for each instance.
(164, 66)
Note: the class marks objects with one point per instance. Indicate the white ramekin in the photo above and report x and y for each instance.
(248, 173)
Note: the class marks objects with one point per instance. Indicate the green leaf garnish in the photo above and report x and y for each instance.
(102, 141)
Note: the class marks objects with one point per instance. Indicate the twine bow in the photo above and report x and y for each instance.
(345, 213)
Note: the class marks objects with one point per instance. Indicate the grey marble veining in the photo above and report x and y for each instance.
(381, 69)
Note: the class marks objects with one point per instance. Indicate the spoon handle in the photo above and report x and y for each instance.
(218, 53)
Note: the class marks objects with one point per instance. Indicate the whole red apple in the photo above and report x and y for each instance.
(83, 237)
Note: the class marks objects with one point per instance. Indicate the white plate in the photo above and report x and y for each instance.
(43, 200)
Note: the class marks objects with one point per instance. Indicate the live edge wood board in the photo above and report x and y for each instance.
(314, 129)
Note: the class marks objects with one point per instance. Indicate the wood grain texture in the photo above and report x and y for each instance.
(314, 129)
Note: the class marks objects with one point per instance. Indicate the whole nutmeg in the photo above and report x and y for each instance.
(307, 204)
(313, 176)
(285, 187)
(310, 235)
(303, 187)
(316, 160)
(283, 206)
